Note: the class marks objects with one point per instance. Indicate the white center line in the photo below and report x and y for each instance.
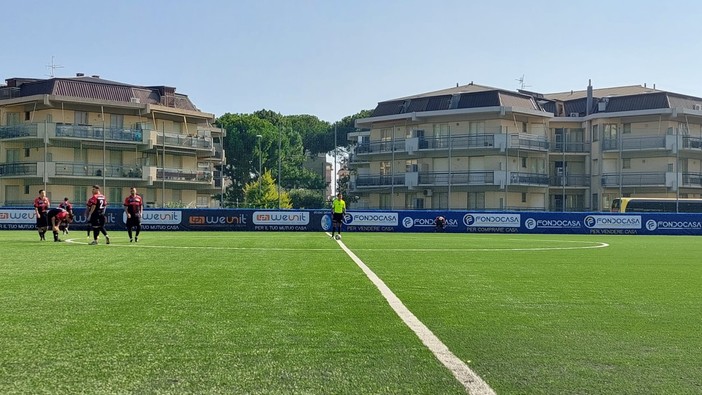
(471, 381)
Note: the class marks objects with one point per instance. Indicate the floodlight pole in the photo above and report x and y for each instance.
(280, 153)
(260, 165)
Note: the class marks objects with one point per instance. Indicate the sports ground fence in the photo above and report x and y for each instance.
(385, 221)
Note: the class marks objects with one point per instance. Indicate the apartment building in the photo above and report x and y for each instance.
(66, 134)
(481, 148)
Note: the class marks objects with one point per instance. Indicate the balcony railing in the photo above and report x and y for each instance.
(528, 142)
(571, 147)
(378, 180)
(634, 143)
(185, 141)
(98, 133)
(633, 179)
(457, 178)
(692, 179)
(18, 169)
(522, 178)
(17, 131)
(71, 169)
(380, 146)
(184, 175)
(571, 180)
(692, 142)
(460, 141)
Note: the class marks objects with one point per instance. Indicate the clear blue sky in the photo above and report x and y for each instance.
(334, 58)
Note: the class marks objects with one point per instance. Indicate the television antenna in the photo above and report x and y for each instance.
(522, 83)
(53, 67)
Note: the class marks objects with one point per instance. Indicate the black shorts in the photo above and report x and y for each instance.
(135, 220)
(43, 221)
(338, 217)
(97, 220)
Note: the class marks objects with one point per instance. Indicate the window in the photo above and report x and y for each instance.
(670, 167)
(12, 118)
(595, 132)
(476, 127)
(116, 121)
(476, 200)
(626, 163)
(27, 115)
(177, 195)
(80, 194)
(627, 128)
(524, 162)
(439, 200)
(411, 166)
(12, 155)
(80, 118)
(115, 195)
(386, 134)
(26, 189)
(385, 168)
(27, 152)
(203, 201)
(524, 197)
(385, 201)
(610, 131)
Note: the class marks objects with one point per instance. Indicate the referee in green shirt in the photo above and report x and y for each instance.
(338, 211)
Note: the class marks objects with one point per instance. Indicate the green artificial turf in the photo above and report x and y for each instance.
(291, 313)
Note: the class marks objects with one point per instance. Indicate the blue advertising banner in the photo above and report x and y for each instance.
(385, 221)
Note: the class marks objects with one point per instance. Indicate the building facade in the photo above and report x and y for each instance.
(66, 134)
(481, 148)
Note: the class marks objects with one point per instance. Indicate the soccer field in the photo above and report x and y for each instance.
(293, 313)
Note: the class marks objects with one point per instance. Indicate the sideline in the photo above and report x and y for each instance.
(471, 381)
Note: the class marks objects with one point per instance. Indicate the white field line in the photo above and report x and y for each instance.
(141, 245)
(471, 381)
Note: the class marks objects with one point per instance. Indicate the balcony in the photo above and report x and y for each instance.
(635, 143)
(691, 179)
(185, 141)
(571, 180)
(499, 141)
(637, 179)
(96, 133)
(457, 178)
(381, 146)
(71, 169)
(574, 147)
(380, 180)
(523, 178)
(528, 142)
(18, 131)
(18, 170)
(180, 175)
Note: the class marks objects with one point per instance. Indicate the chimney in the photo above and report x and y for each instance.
(80, 75)
(95, 76)
(589, 98)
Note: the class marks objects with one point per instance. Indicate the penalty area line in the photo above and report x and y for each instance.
(469, 379)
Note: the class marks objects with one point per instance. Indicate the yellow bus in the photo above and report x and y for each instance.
(656, 205)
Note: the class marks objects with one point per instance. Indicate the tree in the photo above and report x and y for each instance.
(242, 149)
(263, 193)
(305, 198)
